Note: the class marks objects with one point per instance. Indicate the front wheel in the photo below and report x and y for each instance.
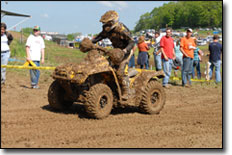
(153, 98)
(56, 97)
(99, 101)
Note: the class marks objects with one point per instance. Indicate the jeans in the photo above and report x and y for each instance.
(132, 61)
(4, 60)
(187, 70)
(157, 62)
(167, 67)
(196, 63)
(34, 74)
(146, 66)
(217, 65)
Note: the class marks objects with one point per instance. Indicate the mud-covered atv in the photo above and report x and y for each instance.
(94, 83)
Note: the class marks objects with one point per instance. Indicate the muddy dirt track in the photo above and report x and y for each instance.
(191, 118)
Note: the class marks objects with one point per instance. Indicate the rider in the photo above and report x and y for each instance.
(120, 37)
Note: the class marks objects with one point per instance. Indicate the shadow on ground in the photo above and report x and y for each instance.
(79, 109)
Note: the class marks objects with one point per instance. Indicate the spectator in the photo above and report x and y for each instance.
(6, 39)
(157, 52)
(132, 59)
(215, 49)
(148, 57)
(143, 54)
(196, 61)
(187, 46)
(179, 57)
(168, 55)
(177, 63)
(34, 49)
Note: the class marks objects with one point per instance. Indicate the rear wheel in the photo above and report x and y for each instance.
(56, 97)
(99, 101)
(153, 98)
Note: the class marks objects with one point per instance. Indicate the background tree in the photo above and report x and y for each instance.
(192, 14)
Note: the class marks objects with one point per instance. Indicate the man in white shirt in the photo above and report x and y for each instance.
(34, 49)
(6, 39)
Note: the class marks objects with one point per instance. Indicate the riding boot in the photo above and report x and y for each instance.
(125, 88)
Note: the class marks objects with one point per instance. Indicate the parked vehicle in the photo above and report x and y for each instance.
(201, 42)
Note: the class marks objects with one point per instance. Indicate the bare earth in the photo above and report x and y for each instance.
(191, 118)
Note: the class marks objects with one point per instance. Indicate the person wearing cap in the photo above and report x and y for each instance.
(6, 39)
(187, 47)
(34, 50)
(215, 49)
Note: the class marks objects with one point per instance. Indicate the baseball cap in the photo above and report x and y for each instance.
(190, 30)
(36, 28)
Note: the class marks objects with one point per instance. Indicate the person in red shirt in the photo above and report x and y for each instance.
(143, 53)
(187, 47)
(168, 55)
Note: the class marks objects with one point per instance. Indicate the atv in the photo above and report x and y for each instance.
(94, 83)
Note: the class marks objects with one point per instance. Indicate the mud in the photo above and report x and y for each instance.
(191, 118)
(86, 45)
(116, 55)
(94, 62)
(109, 16)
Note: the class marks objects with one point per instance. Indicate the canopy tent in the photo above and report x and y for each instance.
(8, 13)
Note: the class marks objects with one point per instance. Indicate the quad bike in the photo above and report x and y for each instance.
(94, 83)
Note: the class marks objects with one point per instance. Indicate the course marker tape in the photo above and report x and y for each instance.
(26, 66)
(176, 79)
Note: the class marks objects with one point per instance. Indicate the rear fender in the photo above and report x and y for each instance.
(140, 81)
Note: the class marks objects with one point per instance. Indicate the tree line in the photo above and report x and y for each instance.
(192, 14)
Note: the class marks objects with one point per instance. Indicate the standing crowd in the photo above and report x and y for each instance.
(184, 55)
(34, 50)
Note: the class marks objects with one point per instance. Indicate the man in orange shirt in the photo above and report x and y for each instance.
(187, 46)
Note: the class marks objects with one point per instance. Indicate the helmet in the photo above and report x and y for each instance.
(109, 16)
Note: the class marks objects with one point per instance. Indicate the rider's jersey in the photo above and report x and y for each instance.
(120, 37)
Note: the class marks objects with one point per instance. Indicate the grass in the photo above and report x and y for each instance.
(56, 55)
(53, 52)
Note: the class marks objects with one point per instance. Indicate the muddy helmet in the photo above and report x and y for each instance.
(109, 16)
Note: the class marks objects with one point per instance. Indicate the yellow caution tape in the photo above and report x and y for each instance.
(27, 67)
(29, 62)
(176, 79)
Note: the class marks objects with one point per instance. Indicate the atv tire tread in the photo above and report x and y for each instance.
(93, 96)
(146, 105)
(56, 97)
